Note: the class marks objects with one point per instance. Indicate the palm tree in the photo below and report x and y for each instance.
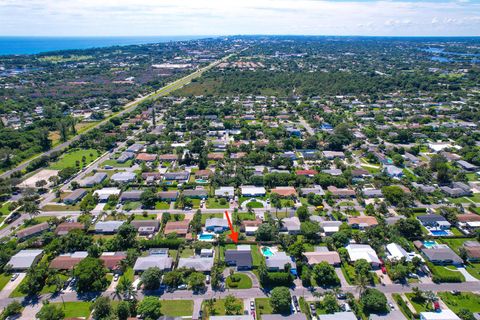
(362, 283)
(31, 208)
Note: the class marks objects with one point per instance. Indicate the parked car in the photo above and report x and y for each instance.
(341, 296)
(252, 305)
(182, 287)
(384, 270)
(207, 279)
(14, 277)
(392, 307)
(115, 277)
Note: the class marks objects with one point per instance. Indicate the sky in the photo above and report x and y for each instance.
(226, 17)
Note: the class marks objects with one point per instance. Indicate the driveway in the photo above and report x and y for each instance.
(468, 276)
(11, 285)
(340, 276)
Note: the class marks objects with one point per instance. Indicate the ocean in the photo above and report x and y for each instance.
(33, 45)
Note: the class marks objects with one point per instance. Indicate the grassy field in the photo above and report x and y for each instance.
(131, 205)
(162, 205)
(213, 215)
(128, 274)
(419, 307)
(4, 279)
(56, 207)
(187, 253)
(177, 308)
(256, 256)
(51, 289)
(151, 216)
(465, 300)
(213, 203)
(75, 309)
(69, 159)
(244, 281)
(262, 306)
(218, 307)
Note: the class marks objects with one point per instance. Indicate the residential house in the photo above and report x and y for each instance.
(105, 193)
(68, 261)
(345, 315)
(225, 192)
(123, 177)
(125, 156)
(136, 147)
(395, 252)
(278, 261)
(363, 251)
(203, 174)
(24, 259)
(92, 181)
(65, 227)
(132, 195)
(306, 173)
(195, 193)
(442, 254)
(146, 227)
(168, 195)
(111, 260)
(472, 248)
(108, 227)
(291, 225)
(240, 258)
(285, 191)
(342, 192)
(330, 227)
(372, 193)
(217, 225)
(250, 226)
(75, 196)
(178, 227)
(322, 254)
(362, 222)
(444, 314)
(146, 157)
(330, 155)
(197, 263)
(434, 221)
(156, 258)
(316, 190)
(252, 191)
(393, 171)
(467, 166)
(180, 176)
(32, 231)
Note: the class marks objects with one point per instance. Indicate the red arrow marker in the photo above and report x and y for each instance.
(233, 235)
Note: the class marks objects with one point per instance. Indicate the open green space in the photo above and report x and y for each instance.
(113, 163)
(218, 308)
(128, 274)
(262, 306)
(419, 306)
(177, 308)
(70, 159)
(131, 205)
(464, 300)
(162, 205)
(150, 216)
(212, 215)
(79, 309)
(214, 203)
(239, 281)
(4, 279)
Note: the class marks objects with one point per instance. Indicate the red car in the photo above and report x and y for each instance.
(436, 305)
(384, 270)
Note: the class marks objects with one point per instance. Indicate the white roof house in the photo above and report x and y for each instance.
(24, 259)
(104, 193)
(162, 262)
(362, 251)
(123, 177)
(228, 192)
(446, 314)
(396, 252)
(338, 316)
(252, 191)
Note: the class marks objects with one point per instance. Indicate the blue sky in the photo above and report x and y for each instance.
(226, 17)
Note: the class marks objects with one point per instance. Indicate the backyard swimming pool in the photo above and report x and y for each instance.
(202, 181)
(267, 252)
(206, 237)
(429, 244)
(439, 233)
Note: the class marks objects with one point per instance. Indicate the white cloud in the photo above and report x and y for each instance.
(215, 17)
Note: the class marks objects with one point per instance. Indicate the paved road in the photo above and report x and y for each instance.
(307, 127)
(177, 84)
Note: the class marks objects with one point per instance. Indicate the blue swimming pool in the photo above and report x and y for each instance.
(206, 236)
(267, 252)
(429, 244)
(439, 233)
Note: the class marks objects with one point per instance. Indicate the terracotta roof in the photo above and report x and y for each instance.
(306, 172)
(32, 230)
(112, 261)
(169, 156)
(331, 257)
(66, 227)
(252, 223)
(215, 156)
(473, 252)
(146, 157)
(205, 172)
(284, 191)
(368, 220)
(179, 227)
(64, 263)
(468, 217)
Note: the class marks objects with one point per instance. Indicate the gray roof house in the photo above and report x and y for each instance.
(467, 165)
(433, 220)
(393, 171)
(123, 177)
(196, 193)
(346, 315)
(168, 195)
(442, 254)
(75, 196)
(24, 259)
(294, 316)
(125, 156)
(198, 263)
(317, 190)
(146, 227)
(136, 147)
(91, 181)
(291, 225)
(216, 224)
(32, 231)
(425, 188)
(372, 193)
(108, 226)
(278, 261)
(242, 259)
(132, 195)
(163, 262)
(177, 176)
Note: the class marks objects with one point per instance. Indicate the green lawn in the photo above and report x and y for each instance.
(473, 269)
(419, 307)
(69, 159)
(131, 205)
(4, 209)
(212, 215)
(214, 203)
(254, 204)
(242, 281)
(246, 216)
(187, 253)
(151, 216)
(218, 307)
(4, 279)
(256, 256)
(57, 207)
(177, 308)
(113, 163)
(162, 205)
(75, 309)
(262, 306)
(465, 300)
(51, 289)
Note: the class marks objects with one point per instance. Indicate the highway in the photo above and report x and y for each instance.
(177, 84)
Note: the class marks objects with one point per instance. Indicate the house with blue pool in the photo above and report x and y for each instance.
(217, 225)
